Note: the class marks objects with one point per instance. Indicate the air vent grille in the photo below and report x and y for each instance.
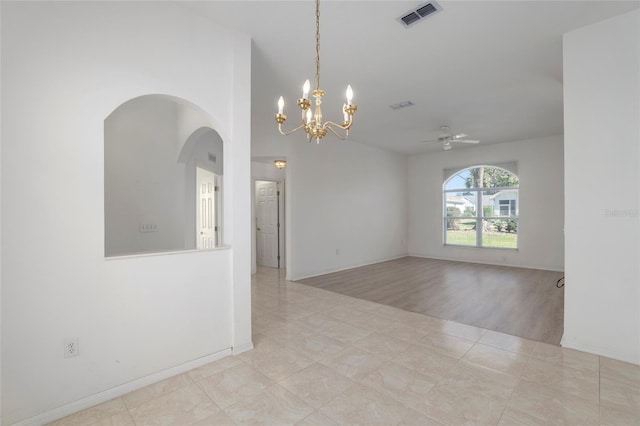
(426, 10)
(401, 105)
(412, 17)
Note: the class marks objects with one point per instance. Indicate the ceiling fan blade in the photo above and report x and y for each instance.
(466, 141)
(433, 140)
(459, 136)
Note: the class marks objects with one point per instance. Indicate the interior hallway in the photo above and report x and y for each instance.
(517, 301)
(324, 358)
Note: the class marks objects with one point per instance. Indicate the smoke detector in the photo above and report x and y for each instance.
(414, 16)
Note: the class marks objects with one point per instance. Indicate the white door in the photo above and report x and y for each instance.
(267, 223)
(206, 226)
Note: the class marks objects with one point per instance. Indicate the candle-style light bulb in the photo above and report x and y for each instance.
(349, 95)
(280, 105)
(305, 89)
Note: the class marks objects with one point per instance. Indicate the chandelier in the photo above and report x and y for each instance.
(312, 118)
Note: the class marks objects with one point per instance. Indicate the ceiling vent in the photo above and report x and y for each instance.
(401, 105)
(414, 16)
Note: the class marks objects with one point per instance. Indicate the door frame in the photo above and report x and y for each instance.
(191, 182)
(216, 208)
(282, 233)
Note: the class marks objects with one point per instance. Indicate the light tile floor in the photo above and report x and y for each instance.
(321, 358)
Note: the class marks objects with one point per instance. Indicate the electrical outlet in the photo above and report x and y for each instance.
(147, 227)
(71, 347)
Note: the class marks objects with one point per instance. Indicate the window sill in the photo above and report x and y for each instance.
(482, 248)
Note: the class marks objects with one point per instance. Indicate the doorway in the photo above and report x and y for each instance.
(269, 212)
(206, 211)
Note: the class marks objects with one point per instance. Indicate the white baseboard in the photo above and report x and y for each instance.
(237, 350)
(344, 268)
(109, 394)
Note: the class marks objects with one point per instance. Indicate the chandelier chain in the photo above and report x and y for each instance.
(318, 44)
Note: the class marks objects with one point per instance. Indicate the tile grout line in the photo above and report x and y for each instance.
(506, 405)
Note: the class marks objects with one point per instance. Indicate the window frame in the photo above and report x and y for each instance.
(479, 211)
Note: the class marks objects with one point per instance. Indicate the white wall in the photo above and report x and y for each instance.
(1, 274)
(237, 187)
(348, 206)
(602, 134)
(65, 67)
(540, 227)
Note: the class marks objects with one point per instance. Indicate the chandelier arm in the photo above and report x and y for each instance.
(329, 124)
(291, 132)
(336, 134)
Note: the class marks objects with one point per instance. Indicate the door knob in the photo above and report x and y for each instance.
(257, 229)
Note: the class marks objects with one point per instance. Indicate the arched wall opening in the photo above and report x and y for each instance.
(154, 145)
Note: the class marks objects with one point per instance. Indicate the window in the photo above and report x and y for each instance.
(481, 208)
(507, 206)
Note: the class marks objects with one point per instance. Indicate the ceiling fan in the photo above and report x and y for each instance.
(447, 138)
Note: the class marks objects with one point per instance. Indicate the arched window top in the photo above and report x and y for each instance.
(481, 177)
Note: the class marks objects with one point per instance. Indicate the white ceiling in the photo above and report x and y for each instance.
(491, 69)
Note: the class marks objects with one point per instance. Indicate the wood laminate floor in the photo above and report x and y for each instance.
(517, 301)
